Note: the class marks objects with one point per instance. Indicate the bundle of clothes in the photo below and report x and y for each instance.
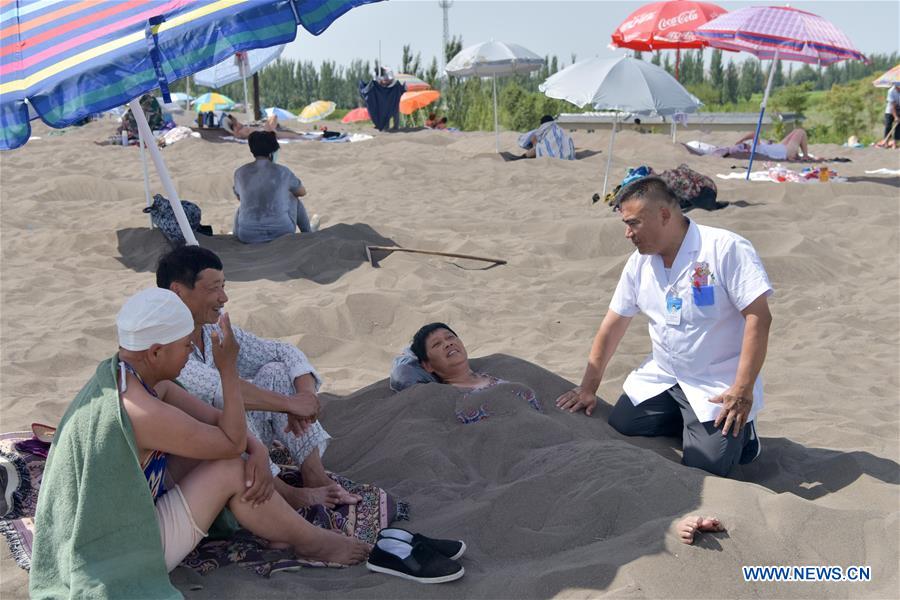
(693, 189)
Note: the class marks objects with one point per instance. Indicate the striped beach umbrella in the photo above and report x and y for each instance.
(316, 111)
(410, 102)
(412, 83)
(75, 59)
(212, 101)
(356, 115)
(890, 78)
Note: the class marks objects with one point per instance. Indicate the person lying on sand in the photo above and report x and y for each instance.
(437, 354)
(278, 383)
(705, 293)
(269, 195)
(794, 146)
(688, 527)
(140, 468)
(242, 132)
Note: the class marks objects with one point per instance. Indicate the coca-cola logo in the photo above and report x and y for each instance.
(680, 19)
(634, 22)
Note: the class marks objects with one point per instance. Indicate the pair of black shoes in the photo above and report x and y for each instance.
(416, 557)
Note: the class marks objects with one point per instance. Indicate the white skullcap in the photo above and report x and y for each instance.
(153, 316)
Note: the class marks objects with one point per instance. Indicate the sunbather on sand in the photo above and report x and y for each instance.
(792, 147)
(437, 354)
(242, 132)
(140, 468)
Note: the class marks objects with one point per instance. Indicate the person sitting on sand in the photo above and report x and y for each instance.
(139, 468)
(269, 194)
(278, 383)
(243, 132)
(437, 354)
(548, 140)
(704, 291)
(792, 147)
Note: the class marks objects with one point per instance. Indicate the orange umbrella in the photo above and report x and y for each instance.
(357, 114)
(413, 101)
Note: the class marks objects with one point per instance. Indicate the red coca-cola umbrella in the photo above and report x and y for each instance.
(666, 26)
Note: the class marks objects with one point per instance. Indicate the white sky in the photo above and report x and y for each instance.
(558, 27)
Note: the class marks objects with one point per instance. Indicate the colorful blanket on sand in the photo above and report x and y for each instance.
(376, 511)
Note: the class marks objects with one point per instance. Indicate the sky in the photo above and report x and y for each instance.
(547, 27)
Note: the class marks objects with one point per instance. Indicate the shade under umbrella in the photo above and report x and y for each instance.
(316, 111)
(890, 78)
(410, 102)
(412, 83)
(621, 84)
(493, 59)
(356, 115)
(779, 33)
(667, 25)
(212, 101)
(280, 113)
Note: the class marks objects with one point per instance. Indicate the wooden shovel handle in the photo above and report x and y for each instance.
(434, 253)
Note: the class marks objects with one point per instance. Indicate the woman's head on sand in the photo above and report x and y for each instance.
(652, 215)
(263, 144)
(195, 275)
(439, 350)
(154, 328)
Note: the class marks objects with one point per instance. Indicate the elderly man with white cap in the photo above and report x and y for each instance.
(139, 468)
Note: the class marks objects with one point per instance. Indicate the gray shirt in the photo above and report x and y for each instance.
(268, 203)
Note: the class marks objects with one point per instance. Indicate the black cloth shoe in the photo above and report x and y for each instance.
(417, 563)
(452, 549)
(753, 447)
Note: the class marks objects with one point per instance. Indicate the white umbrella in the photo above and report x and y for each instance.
(282, 114)
(493, 59)
(621, 84)
(238, 67)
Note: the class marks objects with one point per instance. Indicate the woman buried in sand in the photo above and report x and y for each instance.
(437, 354)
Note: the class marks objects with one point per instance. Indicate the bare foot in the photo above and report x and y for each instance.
(334, 547)
(688, 526)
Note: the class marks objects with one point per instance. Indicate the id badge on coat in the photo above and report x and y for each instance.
(673, 310)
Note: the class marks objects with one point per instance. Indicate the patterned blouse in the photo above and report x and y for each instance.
(201, 377)
(473, 415)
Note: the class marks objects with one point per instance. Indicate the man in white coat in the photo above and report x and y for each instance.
(705, 293)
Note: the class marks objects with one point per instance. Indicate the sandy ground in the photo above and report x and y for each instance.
(550, 504)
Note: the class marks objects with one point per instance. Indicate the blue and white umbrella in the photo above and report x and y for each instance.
(282, 114)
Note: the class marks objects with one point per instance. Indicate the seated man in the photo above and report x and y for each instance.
(548, 140)
(278, 383)
(269, 195)
(704, 291)
(139, 469)
(436, 354)
(794, 146)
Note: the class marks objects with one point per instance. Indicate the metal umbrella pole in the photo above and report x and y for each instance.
(612, 140)
(496, 124)
(144, 168)
(168, 186)
(762, 111)
(243, 68)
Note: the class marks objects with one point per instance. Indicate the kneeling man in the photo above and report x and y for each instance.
(704, 291)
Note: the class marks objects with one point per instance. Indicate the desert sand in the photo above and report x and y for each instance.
(550, 504)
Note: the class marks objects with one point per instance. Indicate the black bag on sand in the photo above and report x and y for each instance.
(163, 218)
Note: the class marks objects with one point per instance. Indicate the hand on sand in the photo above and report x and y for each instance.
(689, 526)
(736, 404)
(577, 399)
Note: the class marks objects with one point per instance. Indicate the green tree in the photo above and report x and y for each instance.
(730, 87)
(656, 60)
(747, 83)
(716, 72)
(779, 75)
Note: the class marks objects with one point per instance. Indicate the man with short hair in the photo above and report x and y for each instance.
(278, 383)
(704, 291)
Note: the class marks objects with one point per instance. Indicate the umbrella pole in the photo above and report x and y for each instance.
(612, 139)
(168, 186)
(496, 125)
(146, 174)
(762, 111)
(246, 95)
(677, 62)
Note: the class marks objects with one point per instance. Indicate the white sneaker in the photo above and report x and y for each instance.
(314, 223)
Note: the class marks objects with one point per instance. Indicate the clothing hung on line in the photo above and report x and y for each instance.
(382, 102)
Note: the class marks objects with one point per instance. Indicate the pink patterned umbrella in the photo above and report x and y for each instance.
(791, 33)
(778, 33)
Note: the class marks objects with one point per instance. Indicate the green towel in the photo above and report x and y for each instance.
(96, 534)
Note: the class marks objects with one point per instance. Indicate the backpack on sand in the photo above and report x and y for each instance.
(164, 219)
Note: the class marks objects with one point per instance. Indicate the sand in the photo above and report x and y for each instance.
(550, 504)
